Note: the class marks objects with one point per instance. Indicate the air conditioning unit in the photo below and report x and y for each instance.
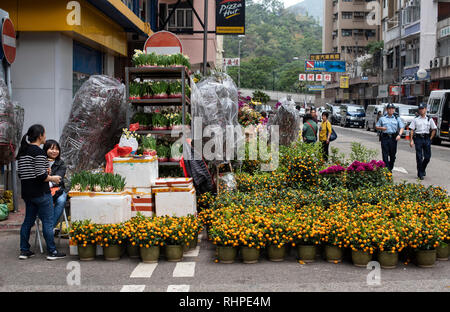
(437, 62)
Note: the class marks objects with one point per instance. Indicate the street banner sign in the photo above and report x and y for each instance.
(310, 77)
(316, 87)
(325, 57)
(163, 43)
(344, 82)
(327, 77)
(230, 17)
(325, 66)
(232, 62)
(302, 77)
(8, 41)
(396, 90)
(319, 77)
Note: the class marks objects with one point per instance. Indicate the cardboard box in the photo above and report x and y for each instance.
(137, 172)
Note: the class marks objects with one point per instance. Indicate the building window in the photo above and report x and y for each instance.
(181, 19)
(347, 15)
(346, 32)
(412, 53)
(411, 13)
(370, 33)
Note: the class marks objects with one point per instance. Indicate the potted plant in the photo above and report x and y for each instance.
(130, 228)
(442, 251)
(251, 240)
(175, 152)
(149, 145)
(306, 232)
(111, 237)
(175, 89)
(360, 235)
(224, 234)
(97, 182)
(333, 235)
(193, 227)
(175, 237)
(83, 233)
(162, 152)
(425, 239)
(159, 121)
(159, 89)
(277, 234)
(148, 237)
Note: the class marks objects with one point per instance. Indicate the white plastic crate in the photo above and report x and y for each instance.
(174, 197)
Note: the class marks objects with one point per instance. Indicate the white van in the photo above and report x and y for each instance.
(373, 113)
(438, 108)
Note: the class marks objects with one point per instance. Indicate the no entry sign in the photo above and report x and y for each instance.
(163, 42)
(8, 40)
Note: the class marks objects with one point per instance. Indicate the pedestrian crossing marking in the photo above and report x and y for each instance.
(184, 269)
(144, 270)
(133, 288)
(178, 288)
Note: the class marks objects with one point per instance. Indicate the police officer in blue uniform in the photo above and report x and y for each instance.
(391, 128)
(421, 126)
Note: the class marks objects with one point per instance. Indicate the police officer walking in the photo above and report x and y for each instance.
(421, 126)
(392, 130)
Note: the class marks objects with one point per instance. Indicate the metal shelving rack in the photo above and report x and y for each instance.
(159, 73)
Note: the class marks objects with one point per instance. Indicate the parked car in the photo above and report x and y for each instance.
(352, 115)
(264, 108)
(406, 112)
(438, 108)
(335, 113)
(373, 113)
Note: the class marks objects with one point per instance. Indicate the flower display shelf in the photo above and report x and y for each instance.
(160, 73)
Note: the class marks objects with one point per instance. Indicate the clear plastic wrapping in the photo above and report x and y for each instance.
(95, 124)
(8, 142)
(227, 182)
(19, 116)
(287, 118)
(215, 100)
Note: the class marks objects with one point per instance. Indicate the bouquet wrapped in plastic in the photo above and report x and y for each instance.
(8, 140)
(215, 100)
(287, 119)
(19, 116)
(95, 124)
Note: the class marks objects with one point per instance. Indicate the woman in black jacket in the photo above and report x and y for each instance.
(58, 168)
(33, 172)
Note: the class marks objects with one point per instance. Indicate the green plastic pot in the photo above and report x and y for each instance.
(425, 258)
(333, 253)
(387, 259)
(133, 251)
(442, 252)
(276, 254)
(87, 253)
(174, 253)
(112, 252)
(226, 254)
(150, 254)
(361, 258)
(249, 255)
(306, 253)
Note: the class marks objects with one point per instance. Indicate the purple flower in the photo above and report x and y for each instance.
(248, 98)
(277, 105)
(360, 168)
(381, 164)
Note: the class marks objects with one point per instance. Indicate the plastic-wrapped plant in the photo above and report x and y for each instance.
(159, 89)
(149, 142)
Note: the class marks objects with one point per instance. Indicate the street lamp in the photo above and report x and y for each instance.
(422, 73)
(239, 53)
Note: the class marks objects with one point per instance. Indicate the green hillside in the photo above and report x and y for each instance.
(274, 37)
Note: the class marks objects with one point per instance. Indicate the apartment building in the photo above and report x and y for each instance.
(410, 35)
(349, 26)
(440, 65)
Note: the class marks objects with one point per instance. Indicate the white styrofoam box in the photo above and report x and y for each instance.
(141, 201)
(178, 204)
(137, 172)
(100, 208)
(176, 182)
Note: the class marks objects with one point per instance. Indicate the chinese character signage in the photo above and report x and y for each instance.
(230, 17)
(396, 90)
(310, 77)
(302, 77)
(231, 62)
(325, 57)
(327, 77)
(325, 66)
(319, 77)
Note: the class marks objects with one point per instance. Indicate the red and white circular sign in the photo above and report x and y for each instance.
(163, 42)
(9, 40)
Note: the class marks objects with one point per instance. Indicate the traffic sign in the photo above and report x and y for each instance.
(163, 43)
(8, 40)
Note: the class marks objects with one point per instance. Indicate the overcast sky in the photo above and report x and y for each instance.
(288, 3)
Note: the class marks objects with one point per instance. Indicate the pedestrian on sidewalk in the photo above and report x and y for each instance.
(420, 127)
(325, 134)
(392, 129)
(310, 128)
(58, 168)
(33, 169)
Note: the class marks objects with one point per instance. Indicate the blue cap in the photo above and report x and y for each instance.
(390, 105)
(422, 105)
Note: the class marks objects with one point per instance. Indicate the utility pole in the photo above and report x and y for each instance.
(205, 38)
(400, 55)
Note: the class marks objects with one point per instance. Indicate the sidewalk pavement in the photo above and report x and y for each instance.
(15, 219)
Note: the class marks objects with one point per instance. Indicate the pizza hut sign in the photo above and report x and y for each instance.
(230, 17)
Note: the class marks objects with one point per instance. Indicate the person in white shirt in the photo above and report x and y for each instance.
(420, 127)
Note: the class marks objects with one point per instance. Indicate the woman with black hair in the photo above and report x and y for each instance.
(33, 169)
(58, 168)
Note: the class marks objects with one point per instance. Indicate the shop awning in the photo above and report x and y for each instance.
(122, 15)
